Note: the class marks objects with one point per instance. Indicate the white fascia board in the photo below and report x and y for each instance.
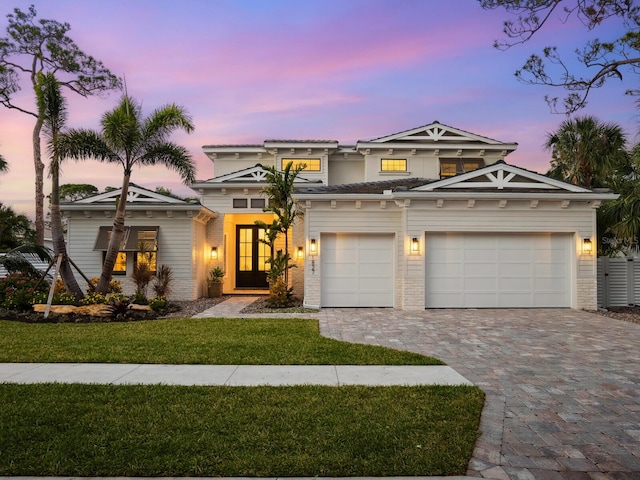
(294, 144)
(507, 195)
(231, 149)
(342, 196)
(443, 145)
(140, 207)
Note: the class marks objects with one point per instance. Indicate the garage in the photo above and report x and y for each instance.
(478, 270)
(357, 270)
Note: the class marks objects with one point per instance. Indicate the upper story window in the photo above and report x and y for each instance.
(455, 166)
(393, 165)
(310, 164)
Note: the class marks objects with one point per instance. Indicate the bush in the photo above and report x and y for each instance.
(158, 303)
(114, 285)
(118, 307)
(17, 291)
(139, 298)
(162, 283)
(63, 299)
(93, 298)
(280, 295)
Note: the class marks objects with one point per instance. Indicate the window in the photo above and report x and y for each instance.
(393, 165)
(310, 164)
(148, 258)
(142, 241)
(240, 203)
(455, 166)
(258, 203)
(120, 267)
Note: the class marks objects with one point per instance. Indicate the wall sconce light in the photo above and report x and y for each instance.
(415, 246)
(214, 252)
(587, 246)
(300, 252)
(313, 247)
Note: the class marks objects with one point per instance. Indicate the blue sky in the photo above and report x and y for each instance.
(346, 70)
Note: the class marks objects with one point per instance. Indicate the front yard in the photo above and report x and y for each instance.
(106, 430)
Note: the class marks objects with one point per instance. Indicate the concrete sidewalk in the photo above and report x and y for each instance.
(229, 375)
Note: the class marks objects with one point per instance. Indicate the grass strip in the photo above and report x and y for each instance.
(304, 431)
(192, 341)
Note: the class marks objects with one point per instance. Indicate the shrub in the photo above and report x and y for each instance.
(118, 307)
(63, 299)
(114, 285)
(280, 295)
(142, 276)
(162, 283)
(158, 303)
(17, 291)
(93, 298)
(139, 298)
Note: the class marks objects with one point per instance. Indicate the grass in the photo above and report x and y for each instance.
(191, 341)
(306, 431)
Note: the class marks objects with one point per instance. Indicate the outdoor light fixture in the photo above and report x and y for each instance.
(587, 247)
(313, 247)
(415, 245)
(214, 252)
(300, 252)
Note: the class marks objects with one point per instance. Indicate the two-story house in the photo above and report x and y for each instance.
(431, 217)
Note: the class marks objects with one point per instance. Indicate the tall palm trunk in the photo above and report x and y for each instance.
(117, 233)
(59, 244)
(39, 182)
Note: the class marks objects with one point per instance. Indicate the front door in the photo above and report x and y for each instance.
(251, 256)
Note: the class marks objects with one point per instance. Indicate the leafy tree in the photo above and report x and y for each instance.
(279, 190)
(619, 220)
(129, 139)
(585, 151)
(599, 60)
(70, 192)
(15, 229)
(39, 46)
(52, 108)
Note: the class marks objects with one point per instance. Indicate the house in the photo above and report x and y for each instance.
(432, 217)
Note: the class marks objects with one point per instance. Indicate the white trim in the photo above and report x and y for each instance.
(135, 194)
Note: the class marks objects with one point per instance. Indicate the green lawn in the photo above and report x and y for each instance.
(106, 430)
(191, 341)
(96, 430)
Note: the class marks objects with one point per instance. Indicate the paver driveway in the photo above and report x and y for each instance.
(562, 386)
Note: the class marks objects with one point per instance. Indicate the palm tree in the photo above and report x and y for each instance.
(52, 107)
(128, 139)
(15, 229)
(584, 150)
(4, 166)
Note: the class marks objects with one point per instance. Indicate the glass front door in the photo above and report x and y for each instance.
(251, 256)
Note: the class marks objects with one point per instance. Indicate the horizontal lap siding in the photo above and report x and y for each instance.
(174, 248)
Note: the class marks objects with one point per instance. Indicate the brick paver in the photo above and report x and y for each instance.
(562, 386)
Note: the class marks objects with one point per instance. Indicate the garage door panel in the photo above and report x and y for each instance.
(357, 270)
(498, 270)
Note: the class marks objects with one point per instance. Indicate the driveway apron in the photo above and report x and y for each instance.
(562, 386)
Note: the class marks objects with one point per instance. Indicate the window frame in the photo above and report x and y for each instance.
(299, 161)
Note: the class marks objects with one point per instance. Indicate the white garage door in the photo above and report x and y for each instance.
(357, 270)
(472, 270)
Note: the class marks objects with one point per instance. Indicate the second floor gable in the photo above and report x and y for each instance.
(431, 151)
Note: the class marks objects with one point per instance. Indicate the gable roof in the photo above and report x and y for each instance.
(135, 194)
(251, 175)
(437, 135)
(501, 176)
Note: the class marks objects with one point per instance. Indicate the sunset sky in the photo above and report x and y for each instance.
(346, 70)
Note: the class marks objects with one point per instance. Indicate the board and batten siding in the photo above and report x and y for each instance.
(174, 247)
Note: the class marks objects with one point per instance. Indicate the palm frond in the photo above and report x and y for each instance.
(174, 157)
(79, 144)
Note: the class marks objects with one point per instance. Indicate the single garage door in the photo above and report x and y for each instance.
(357, 270)
(473, 270)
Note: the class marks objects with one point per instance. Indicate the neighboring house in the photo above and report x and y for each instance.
(427, 218)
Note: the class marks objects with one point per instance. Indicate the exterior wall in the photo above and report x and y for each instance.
(349, 169)
(345, 217)
(577, 218)
(228, 163)
(417, 217)
(176, 247)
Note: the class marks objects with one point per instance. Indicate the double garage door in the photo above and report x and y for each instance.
(472, 270)
(463, 270)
